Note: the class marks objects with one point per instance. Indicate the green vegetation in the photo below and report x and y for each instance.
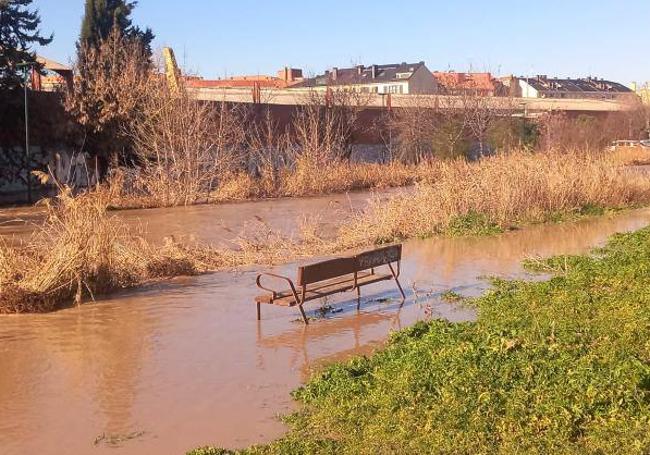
(473, 223)
(586, 211)
(561, 366)
(101, 17)
(451, 297)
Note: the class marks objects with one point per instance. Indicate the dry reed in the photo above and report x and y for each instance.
(630, 156)
(498, 192)
(81, 250)
(310, 179)
(304, 179)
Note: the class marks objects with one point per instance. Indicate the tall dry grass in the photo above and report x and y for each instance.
(78, 252)
(82, 251)
(498, 192)
(629, 156)
(308, 178)
(304, 178)
(188, 152)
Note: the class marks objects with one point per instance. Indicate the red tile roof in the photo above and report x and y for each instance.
(237, 82)
(476, 81)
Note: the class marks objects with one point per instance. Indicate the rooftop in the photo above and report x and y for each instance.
(52, 65)
(589, 84)
(360, 74)
(239, 81)
(475, 81)
(286, 76)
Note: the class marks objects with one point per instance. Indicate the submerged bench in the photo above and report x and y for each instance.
(329, 277)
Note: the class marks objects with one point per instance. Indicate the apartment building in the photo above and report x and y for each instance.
(398, 78)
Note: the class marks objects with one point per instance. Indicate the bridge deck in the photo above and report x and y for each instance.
(293, 97)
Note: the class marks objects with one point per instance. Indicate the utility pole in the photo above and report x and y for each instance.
(28, 156)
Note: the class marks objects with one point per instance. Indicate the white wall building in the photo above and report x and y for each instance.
(400, 78)
(592, 88)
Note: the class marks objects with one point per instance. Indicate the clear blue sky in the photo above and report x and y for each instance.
(604, 38)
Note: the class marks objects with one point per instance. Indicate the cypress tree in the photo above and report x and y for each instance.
(109, 47)
(102, 16)
(19, 30)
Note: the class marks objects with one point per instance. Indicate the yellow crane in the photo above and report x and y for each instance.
(171, 70)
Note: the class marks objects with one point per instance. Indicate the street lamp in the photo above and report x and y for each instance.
(26, 67)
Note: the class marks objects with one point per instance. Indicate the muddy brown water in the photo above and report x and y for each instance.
(181, 364)
(217, 224)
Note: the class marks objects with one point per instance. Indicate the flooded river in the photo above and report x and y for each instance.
(177, 365)
(215, 224)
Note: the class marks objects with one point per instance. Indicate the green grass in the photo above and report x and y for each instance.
(451, 297)
(586, 211)
(561, 366)
(473, 223)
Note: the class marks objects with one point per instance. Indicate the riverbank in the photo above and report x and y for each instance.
(501, 193)
(181, 363)
(83, 251)
(129, 189)
(547, 367)
(305, 179)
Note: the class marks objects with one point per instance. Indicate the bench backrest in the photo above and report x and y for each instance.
(332, 268)
(375, 258)
(325, 270)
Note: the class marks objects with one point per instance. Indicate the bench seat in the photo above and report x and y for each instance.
(324, 288)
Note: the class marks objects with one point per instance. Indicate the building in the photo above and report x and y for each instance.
(510, 85)
(483, 84)
(643, 90)
(53, 77)
(285, 77)
(399, 78)
(593, 88)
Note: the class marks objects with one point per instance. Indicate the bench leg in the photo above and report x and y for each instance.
(259, 312)
(401, 291)
(358, 297)
(399, 286)
(302, 313)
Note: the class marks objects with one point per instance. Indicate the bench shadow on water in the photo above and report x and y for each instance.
(177, 365)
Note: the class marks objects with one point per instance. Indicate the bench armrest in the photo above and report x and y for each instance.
(280, 277)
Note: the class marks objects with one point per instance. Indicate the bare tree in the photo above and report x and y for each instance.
(415, 125)
(266, 146)
(586, 133)
(481, 111)
(429, 127)
(323, 126)
(450, 140)
(184, 147)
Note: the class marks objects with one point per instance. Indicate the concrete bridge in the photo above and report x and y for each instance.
(527, 106)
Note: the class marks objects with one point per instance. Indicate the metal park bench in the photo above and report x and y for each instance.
(331, 277)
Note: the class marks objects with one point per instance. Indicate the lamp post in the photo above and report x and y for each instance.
(26, 67)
